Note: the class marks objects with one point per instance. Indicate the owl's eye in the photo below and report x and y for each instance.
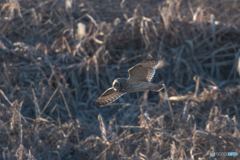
(116, 84)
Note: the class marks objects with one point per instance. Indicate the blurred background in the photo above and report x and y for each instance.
(58, 56)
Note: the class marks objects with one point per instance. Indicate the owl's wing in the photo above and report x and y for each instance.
(143, 71)
(109, 96)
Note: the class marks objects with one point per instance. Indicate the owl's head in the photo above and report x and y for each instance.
(118, 84)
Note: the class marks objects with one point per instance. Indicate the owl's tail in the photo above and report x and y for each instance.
(158, 87)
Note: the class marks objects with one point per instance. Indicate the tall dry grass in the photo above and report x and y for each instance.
(57, 57)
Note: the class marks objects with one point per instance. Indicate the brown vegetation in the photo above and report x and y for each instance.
(57, 57)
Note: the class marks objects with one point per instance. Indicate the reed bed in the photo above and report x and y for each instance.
(58, 57)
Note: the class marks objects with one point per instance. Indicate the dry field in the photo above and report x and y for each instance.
(58, 56)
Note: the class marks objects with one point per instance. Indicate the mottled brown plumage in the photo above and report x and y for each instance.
(139, 79)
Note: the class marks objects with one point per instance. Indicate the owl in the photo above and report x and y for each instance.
(139, 79)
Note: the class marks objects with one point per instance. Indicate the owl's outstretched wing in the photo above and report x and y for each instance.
(143, 71)
(109, 96)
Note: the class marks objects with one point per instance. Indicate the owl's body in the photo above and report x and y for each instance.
(125, 86)
(139, 80)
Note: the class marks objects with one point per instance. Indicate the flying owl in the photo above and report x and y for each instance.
(139, 79)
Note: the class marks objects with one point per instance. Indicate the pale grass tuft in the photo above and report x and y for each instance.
(57, 58)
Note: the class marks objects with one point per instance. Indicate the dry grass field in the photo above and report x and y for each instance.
(58, 56)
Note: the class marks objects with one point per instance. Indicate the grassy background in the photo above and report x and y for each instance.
(58, 57)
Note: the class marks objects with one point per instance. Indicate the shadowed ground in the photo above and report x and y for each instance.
(58, 57)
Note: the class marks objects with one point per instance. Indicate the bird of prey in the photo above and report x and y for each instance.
(139, 79)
